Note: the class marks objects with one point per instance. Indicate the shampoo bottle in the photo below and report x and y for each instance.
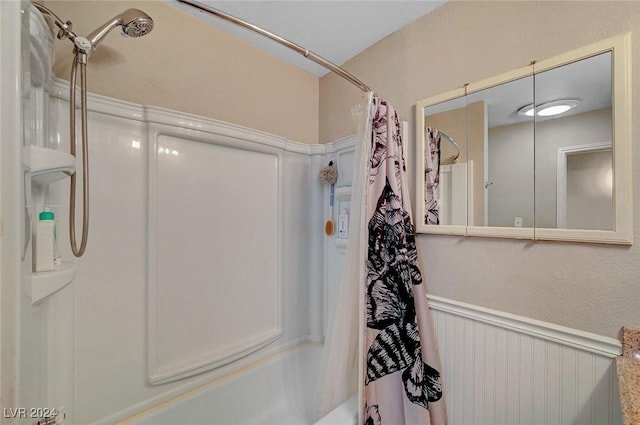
(45, 242)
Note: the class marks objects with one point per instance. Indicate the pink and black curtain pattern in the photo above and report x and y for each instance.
(431, 176)
(403, 383)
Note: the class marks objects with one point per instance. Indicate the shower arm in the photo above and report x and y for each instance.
(138, 24)
(291, 45)
(82, 44)
(65, 27)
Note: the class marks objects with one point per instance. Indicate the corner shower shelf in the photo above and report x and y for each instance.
(44, 284)
(50, 165)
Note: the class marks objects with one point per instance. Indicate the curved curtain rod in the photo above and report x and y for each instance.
(453, 141)
(293, 46)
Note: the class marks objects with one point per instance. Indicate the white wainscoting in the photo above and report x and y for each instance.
(505, 369)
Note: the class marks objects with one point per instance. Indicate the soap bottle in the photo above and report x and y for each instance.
(45, 242)
(343, 224)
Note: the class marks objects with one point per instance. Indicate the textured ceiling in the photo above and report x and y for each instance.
(337, 30)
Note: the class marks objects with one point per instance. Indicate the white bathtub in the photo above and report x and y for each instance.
(281, 391)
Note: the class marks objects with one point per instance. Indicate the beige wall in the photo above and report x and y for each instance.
(590, 287)
(190, 66)
(454, 123)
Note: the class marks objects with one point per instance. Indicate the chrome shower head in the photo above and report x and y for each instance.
(134, 22)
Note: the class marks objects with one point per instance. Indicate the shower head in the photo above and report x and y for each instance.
(134, 22)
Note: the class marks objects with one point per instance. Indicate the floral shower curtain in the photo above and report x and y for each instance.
(432, 176)
(403, 384)
(380, 333)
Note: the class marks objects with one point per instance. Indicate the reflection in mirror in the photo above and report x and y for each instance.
(574, 163)
(588, 191)
(503, 146)
(445, 163)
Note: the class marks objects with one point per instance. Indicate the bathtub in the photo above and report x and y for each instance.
(280, 391)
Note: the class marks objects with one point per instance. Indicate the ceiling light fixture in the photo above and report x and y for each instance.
(549, 109)
(526, 111)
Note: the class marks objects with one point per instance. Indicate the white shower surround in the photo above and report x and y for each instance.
(110, 329)
(111, 289)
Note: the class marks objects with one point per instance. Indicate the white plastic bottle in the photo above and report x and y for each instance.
(45, 242)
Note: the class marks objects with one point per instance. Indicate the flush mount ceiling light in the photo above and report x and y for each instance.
(526, 111)
(549, 109)
(556, 107)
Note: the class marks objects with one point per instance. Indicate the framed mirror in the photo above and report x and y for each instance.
(545, 151)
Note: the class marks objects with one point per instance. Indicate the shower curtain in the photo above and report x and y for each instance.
(381, 335)
(432, 176)
(403, 384)
(341, 355)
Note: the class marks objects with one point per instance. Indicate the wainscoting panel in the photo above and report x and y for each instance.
(501, 369)
(215, 249)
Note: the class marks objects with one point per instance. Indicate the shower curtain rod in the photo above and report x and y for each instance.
(293, 46)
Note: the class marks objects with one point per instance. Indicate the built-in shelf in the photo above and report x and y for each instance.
(49, 165)
(44, 284)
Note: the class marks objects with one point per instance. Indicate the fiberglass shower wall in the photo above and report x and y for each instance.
(198, 260)
(37, 307)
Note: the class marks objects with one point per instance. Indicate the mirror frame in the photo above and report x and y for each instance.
(620, 46)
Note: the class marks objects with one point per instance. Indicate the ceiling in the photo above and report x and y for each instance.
(336, 30)
(339, 30)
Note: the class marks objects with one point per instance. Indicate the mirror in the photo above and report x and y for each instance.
(445, 161)
(574, 155)
(506, 147)
(538, 158)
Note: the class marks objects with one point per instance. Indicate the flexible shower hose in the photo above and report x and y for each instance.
(85, 155)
